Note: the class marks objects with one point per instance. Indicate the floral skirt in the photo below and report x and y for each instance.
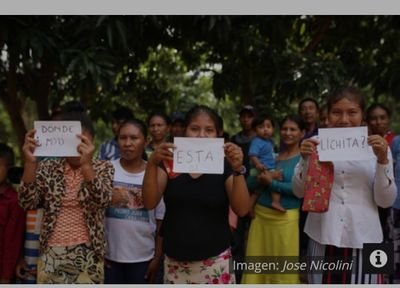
(214, 270)
(75, 264)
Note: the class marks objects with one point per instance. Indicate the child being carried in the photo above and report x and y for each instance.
(262, 158)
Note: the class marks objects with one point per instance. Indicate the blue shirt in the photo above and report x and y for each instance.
(284, 187)
(109, 150)
(395, 147)
(263, 149)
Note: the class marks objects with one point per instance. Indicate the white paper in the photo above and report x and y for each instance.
(344, 144)
(57, 138)
(198, 155)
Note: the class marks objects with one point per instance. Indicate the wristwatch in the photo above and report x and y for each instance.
(242, 171)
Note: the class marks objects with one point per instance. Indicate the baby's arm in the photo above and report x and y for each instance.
(257, 163)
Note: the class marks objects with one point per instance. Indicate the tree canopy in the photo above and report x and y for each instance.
(171, 62)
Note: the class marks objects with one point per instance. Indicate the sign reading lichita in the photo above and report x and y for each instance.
(57, 138)
(198, 155)
(344, 144)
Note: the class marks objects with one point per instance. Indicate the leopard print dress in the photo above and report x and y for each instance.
(47, 191)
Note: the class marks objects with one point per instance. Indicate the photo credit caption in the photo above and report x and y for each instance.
(293, 265)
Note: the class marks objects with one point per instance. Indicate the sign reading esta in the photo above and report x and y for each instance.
(344, 144)
(198, 155)
(57, 138)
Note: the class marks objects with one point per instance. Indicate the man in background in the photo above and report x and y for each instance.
(243, 139)
(309, 110)
(109, 149)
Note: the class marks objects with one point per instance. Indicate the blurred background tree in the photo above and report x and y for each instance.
(170, 63)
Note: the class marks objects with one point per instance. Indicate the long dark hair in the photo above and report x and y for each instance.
(348, 92)
(296, 119)
(374, 106)
(135, 122)
(75, 111)
(199, 109)
(161, 115)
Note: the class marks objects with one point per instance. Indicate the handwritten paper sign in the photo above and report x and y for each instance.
(344, 144)
(57, 138)
(198, 155)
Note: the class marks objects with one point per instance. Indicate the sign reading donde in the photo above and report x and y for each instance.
(198, 155)
(57, 138)
(344, 144)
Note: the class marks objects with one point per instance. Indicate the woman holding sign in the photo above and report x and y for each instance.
(358, 188)
(74, 192)
(195, 230)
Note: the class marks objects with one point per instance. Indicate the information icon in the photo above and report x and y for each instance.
(378, 258)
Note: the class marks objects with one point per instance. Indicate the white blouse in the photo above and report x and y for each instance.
(352, 219)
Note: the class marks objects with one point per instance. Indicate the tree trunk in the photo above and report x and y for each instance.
(42, 90)
(247, 91)
(319, 35)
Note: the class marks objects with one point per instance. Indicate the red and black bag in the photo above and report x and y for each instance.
(318, 185)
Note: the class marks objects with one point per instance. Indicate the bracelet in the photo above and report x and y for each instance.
(242, 171)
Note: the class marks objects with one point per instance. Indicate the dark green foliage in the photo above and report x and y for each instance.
(162, 62)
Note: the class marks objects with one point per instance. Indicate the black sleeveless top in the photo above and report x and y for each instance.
(196, 225)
